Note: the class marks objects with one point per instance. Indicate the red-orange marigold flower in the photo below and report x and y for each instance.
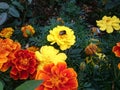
(7, 49)
(57, 77)
(116, 49)
(24, 65)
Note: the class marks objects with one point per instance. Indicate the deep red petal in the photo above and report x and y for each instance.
(23, 75)
(31, 70)
(40, 87)
(14, 71)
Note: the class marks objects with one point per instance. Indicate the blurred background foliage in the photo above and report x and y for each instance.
(81, 16)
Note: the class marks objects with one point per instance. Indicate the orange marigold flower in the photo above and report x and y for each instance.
(57, 77)
(24, 65)
(27, 30)
(7, 49)
(33, 48)
(7, 32)
(119, 66)
(116, 49)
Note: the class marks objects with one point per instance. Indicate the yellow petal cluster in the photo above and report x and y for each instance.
(109, 24)
(7, 32)
(63, 36)
(48, 54)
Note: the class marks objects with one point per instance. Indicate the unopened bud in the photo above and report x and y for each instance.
(91, 49)
(82, 66)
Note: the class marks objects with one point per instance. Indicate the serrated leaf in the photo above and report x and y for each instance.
(30, 1)
(29, 85)
(1, 86)
(14, 12)
(4, 5)
(3, 17)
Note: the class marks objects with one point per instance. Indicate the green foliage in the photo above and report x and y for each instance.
(3, 17)
(1, 86)
(29, 85)
(16, 12)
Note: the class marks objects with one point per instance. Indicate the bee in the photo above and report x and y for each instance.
(62, 32)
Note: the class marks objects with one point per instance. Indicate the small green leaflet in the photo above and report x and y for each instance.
(30, 1)
(3, 17)
(14, 12)
(4, 5)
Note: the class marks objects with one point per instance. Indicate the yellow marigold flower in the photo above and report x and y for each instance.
(7, 32)
(109, 24)
(32, 48)
(27, 30)
(48, 54)
(63, 36)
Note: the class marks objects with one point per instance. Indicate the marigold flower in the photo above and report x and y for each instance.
(119, 66)
(7, 32)
(33, 48)
(63, 36)
(109, 24)
(27, 30)
(24, 65)
(7, 49)
(116, 49)
(91, 49)
(48, 54)
(57, 77)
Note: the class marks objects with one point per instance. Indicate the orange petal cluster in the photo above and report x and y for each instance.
(7, 49)
(27, 30)
(116, 49)
(33, 48)
(119, 66)
(6, 32)
(24, 65)
(57, 77)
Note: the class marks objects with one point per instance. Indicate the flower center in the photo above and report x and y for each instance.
(24, 61)
(63, 32)
(57, 80)
(107, 21)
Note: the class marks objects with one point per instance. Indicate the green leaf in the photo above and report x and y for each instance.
(29, 85)
(30, 1)
(87, 84)
(17, 4)
(4, 5)
(14, 12)
(1, 86)
(3, 17)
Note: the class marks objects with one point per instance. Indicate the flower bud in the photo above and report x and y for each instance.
(91, 49)
(82, 66)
